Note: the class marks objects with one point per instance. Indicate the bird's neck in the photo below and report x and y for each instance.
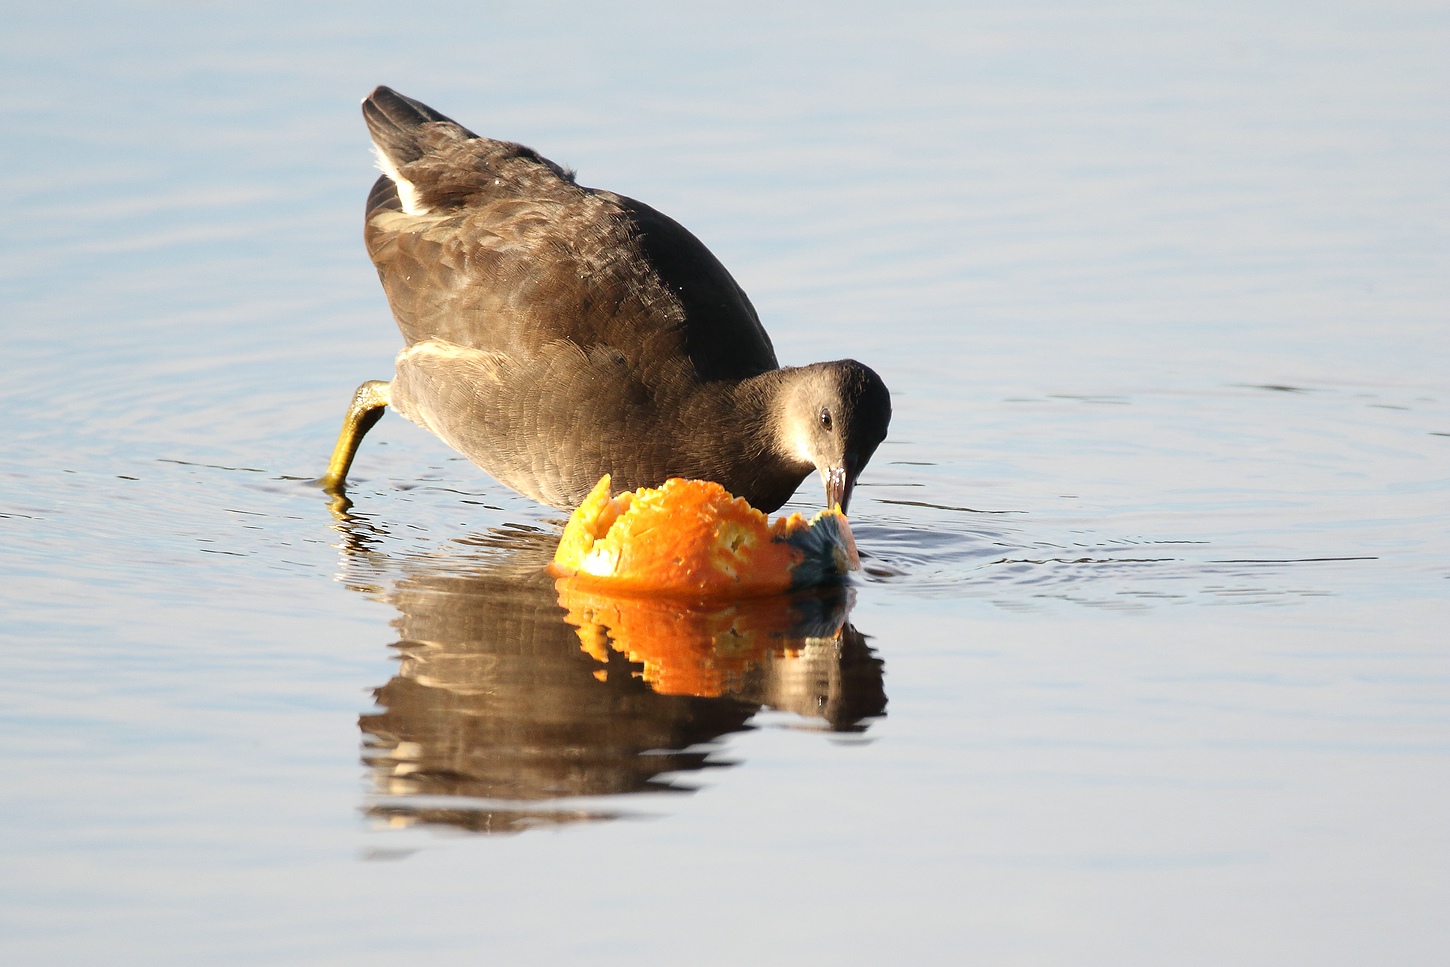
(743, 417)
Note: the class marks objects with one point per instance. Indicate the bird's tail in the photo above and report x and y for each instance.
(393, 121)
(432, 162)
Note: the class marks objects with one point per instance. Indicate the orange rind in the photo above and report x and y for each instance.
(692, 538)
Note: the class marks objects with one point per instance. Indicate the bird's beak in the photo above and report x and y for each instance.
(840, 481)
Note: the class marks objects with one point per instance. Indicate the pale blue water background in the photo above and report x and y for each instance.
(1160, 535)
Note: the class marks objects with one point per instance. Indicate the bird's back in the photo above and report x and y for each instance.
(489, 246)
(554, 332)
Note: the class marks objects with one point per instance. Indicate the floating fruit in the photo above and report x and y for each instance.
(692, 538)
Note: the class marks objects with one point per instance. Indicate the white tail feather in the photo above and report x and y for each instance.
(407, 194)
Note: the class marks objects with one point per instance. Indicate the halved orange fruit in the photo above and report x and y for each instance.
(691, 537)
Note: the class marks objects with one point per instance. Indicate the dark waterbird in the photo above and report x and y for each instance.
(556, 333)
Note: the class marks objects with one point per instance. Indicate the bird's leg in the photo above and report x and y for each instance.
(367, 408)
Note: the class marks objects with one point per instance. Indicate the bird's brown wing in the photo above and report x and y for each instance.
(512, 255)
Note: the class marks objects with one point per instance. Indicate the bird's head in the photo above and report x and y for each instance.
(832, 417)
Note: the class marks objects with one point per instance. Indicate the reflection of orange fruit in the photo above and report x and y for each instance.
(684, 648)
(691, 537)
(705, 648)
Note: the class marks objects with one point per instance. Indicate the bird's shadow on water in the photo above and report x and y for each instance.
(517, 704)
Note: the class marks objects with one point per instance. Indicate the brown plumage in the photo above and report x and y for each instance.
(556, 333)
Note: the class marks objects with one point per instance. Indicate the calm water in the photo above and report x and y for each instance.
(1149, 664)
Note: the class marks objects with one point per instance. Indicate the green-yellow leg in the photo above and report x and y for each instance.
(367, 408)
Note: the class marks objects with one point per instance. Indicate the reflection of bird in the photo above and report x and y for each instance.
(497, 708)
(495, 700)
(556, 333)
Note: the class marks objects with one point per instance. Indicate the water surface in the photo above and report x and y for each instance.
(1148, 661)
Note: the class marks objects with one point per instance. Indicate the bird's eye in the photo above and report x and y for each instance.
(826, 420)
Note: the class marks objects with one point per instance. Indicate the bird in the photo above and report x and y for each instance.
(555, 333)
